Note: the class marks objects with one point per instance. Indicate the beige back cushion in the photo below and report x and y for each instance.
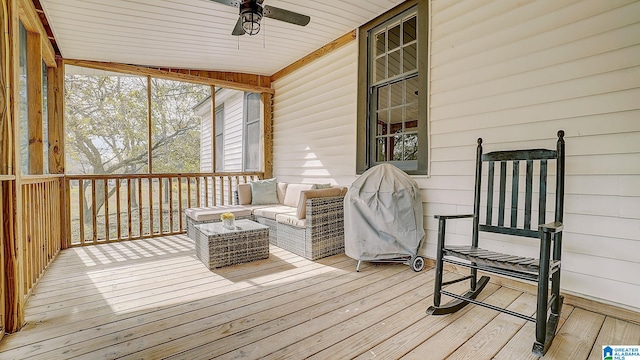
(292, 195)
(281, 189)
(311, 194)
(244, 194)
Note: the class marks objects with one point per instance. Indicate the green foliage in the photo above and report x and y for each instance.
(106, 124)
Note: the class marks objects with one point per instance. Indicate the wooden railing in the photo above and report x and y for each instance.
(41, 225)
(105, 208)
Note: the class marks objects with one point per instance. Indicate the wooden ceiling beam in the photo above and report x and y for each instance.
(335, 44)
(230, 80)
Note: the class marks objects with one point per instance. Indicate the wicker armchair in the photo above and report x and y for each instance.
(323, 233)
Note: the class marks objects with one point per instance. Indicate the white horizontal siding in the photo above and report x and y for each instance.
(513, 73)
(314, 128)
(549, 65)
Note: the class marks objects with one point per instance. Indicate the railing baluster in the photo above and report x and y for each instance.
(129, 223)
(150, 196)
(160, 200)
(230, 193)
(214, 191)
(106, 209)
(27, 226)
(140, 208)
(206, 191)
(81, 209)
(94, 211)
(188, 191)
(118, 219)
(198, 200)
(170, 186)
(180, 201)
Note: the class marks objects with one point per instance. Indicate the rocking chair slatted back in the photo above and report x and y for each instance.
(541, 269)
(531, 157)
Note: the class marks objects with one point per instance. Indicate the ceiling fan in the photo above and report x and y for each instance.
(252, 11)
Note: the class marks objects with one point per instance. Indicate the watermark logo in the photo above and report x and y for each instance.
(621, 352)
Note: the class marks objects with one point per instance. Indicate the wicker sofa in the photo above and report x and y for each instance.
(305, 220)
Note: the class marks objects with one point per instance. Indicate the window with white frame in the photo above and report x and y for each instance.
(220, 138)
(251, 142)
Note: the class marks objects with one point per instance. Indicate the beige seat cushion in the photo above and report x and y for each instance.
(292, 196)
(213, 213)
(270, 212)
(301, 212)
(291, 219)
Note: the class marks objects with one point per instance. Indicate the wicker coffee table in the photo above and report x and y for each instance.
(217, 246)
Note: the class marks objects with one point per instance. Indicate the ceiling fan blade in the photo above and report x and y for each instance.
(238, 30)
(235, 3)
(286, 15)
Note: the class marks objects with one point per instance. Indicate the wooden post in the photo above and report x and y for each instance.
(6, 141)
(6, 158)
(34, 96)
(3, 227)
(149, 133)
(55, 110)
(267, 136)
(213, 130)
(14, 242)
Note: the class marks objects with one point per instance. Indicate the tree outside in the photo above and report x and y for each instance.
(107, 131)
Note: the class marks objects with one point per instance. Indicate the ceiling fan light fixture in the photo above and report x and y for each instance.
(251, 17)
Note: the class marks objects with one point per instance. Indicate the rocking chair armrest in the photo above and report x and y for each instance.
(446, 217)
(552, 227)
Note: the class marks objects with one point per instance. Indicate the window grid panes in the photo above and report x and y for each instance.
(393, 95)
(394, 50)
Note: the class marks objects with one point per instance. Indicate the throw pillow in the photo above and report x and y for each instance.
(263, 192)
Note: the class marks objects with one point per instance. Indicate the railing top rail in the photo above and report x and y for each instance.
(7, 177)
(158, 176)
(34, 179)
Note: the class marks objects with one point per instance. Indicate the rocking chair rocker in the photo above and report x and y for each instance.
(539, 270)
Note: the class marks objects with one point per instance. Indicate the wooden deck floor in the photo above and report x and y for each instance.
(153, 299)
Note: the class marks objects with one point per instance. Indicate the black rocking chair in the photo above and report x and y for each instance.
(540, 270)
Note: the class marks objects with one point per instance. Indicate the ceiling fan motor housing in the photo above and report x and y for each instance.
(251, 14)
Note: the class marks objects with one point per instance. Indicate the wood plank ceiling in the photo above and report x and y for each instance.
(196, 34)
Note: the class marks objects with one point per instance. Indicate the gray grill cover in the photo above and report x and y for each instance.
(383, 215)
